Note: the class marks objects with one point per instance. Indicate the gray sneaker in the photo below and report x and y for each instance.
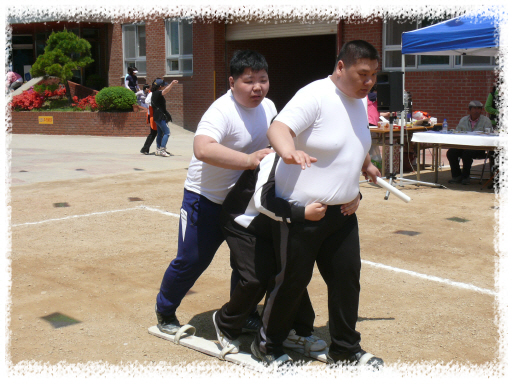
(466, 181)
(167, 324)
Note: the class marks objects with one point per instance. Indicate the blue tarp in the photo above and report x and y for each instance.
(471, 35)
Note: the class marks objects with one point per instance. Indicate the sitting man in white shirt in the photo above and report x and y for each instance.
(473, 122)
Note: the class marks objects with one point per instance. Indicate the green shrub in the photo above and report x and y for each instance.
(115, 98)
(95, 82)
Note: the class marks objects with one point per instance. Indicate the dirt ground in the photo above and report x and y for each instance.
(100, 262)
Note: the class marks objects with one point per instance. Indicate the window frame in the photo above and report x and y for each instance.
(455, 62)
(136, 58)
(180, 57)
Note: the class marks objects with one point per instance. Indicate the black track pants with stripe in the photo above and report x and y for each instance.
(333, 243)
(254, 259)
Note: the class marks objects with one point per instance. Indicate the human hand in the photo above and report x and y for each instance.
(371, 172)
(254, 158)
(350, 208)
(298, 157)
(315, 211)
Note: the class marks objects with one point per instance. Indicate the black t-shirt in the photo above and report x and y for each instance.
(158, 104)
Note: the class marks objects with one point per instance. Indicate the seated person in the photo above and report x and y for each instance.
(473, 122)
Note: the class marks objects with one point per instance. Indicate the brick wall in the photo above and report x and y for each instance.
(82, 123)
(293, 62)
(80, 91)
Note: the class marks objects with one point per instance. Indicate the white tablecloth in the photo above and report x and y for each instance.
(471, 138)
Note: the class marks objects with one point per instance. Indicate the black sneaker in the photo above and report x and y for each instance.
(144, 152)
(360, 358)
(466, 181)
(279, 358)
(252, 324)
(167, 324)
(455, 180)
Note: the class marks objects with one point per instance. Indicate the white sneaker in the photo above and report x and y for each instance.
(157, 151)
(304, 344)
(228, 346)
(164, 153)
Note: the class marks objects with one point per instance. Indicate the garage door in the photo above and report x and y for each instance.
(260, 30)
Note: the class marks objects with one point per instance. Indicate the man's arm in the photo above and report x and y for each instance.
(462, 124)
(369, 170)
(207, 149)
(266, 201)
(281, 137)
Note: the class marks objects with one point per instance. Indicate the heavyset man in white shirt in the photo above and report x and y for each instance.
(323, 139)
(230, 138)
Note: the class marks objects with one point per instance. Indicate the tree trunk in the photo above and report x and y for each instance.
(68, 92)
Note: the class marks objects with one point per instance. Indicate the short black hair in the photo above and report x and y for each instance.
(355, 50)
(146, 86)
(246, 59)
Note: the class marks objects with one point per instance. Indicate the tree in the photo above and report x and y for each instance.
(64, 53)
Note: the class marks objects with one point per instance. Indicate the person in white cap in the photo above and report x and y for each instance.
(473, 122)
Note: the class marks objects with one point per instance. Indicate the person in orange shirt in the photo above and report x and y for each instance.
(152, 127)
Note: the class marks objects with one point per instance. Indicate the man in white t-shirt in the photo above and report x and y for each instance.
(230, 138)
(323, 139)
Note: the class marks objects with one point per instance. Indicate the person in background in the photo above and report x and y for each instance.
(130, 81)
(473, 122)
(14, 81)
(159, 89)
(142, 96)
(373, 113)
(373, 118)
(152, 125)
(491, 106)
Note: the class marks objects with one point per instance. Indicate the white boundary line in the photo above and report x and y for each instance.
(432, 278)
(376, 265)
(75, 216)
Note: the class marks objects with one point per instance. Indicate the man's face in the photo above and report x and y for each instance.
(250, 87)
(357, 80)
(475, 112)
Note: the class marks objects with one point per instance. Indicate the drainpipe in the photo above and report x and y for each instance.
(339, 37)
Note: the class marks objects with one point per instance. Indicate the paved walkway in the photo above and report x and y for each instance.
(41, 158)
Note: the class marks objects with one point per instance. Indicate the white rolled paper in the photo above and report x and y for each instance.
(393, 190)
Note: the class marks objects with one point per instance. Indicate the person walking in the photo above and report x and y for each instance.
(159, 89)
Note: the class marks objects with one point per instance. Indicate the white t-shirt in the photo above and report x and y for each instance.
(332, 127)
(236, 127)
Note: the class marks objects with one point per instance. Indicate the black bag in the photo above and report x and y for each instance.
(164, 114)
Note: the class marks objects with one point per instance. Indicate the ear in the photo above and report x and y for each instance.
(231, 82)
(339, 67)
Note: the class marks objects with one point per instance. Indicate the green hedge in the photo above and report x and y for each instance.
(115, 98)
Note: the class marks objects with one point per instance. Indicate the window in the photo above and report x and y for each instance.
(178, 47)
(392, 47)
(134, 47)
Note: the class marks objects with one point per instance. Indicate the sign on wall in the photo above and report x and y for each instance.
(45, 119)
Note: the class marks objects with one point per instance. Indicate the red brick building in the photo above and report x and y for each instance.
(197, 55)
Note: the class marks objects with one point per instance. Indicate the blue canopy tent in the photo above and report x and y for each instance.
(464, 35)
